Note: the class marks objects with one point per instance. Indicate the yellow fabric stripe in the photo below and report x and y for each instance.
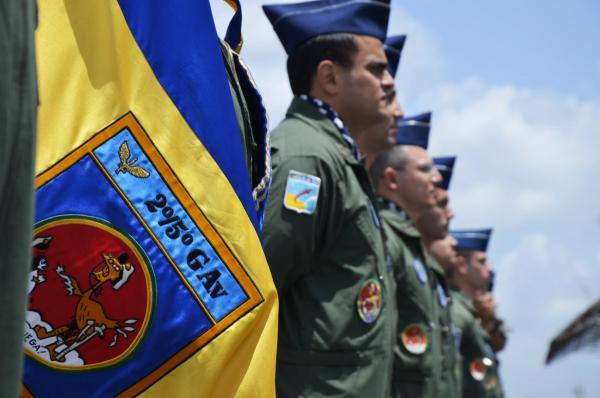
(91, 72)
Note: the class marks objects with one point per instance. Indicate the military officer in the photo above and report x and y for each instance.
(322, 235)
(18, 102)
(496, 330)
(433, 227)
(486, 308)
(406, 178)
(443, 249)
(471, 277)
(383, 136)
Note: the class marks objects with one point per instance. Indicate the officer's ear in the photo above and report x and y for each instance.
(327, 77)
(390, 179)
(461, 265)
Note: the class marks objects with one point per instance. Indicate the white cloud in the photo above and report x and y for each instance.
(523, 155)
(422, 65)
(562, 308)
(539, 292)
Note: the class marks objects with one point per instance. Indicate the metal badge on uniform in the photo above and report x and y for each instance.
(369, 301)
(442, 298)
(414, 338)
(301, 192)
(420, 270)
(478, 369)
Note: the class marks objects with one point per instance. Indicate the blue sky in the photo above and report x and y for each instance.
(514, 87)
(536, 44)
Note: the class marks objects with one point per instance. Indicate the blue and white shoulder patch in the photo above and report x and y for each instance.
(301, 192)
(420, 270)
(442, 298)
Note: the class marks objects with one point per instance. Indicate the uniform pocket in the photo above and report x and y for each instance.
(332, 373)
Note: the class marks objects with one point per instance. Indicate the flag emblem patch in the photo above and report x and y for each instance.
(129, 278)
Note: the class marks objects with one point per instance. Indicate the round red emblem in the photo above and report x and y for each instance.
(414, 339)
(477, 369)
(369, 301)
(90, 293)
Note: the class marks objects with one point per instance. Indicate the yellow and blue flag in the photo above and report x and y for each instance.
(148, 274)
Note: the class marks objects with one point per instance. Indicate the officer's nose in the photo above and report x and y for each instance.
(436, 177)
(398, 111)
(453, 242)
(450, 214)
(387, 81)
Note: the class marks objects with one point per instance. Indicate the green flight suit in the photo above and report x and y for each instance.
(452, 369)
(321, 263)
(421, 368)
(497, 389)
(480, 377)
(18, 102)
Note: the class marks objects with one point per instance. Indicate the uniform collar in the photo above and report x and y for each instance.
(467, 302)
(398, 219)
(309, 113)
(327, 110)
(389, 205)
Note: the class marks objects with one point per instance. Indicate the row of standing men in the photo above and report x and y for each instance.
(377, 297)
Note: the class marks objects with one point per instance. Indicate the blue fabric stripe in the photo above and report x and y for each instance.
(234, 31)
(179, 40)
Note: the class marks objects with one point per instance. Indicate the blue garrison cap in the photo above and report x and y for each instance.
(296, 23)
(445, 165)
(472, 239)
(393, 50)
(414, 130)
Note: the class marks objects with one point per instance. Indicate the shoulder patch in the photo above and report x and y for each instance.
(457, 332)
(442, 298)
(420, 270)
(301, 192)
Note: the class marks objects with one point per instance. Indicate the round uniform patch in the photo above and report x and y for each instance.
(477, 368)
(420, 270)
(91, 296)
(414, 339)
(369, 301)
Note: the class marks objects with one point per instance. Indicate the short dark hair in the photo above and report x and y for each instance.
(339, 48)
(395, 157)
